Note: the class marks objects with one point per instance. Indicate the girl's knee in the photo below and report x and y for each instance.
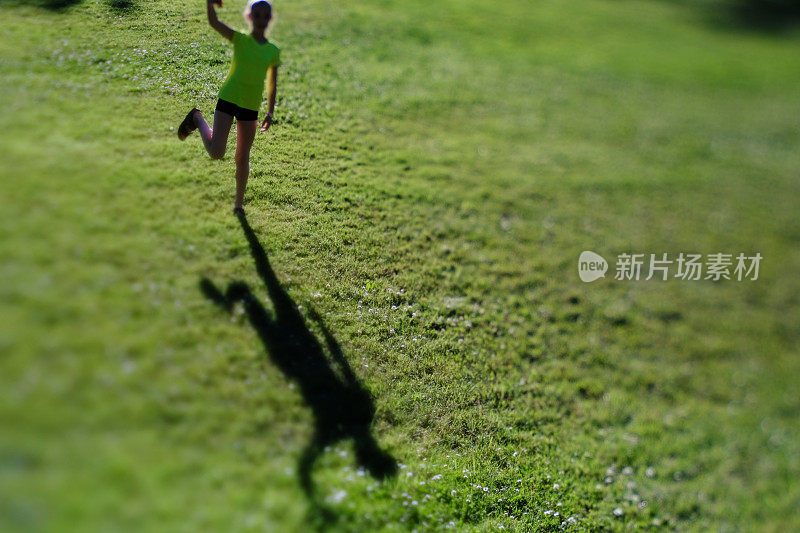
(217, 154)
(242, 160)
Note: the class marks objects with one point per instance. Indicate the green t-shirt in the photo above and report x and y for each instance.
(245, 84)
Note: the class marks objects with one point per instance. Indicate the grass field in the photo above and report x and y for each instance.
(407, 271)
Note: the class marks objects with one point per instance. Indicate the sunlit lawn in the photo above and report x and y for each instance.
(435, 172)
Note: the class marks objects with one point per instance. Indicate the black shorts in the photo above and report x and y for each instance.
(239, 112)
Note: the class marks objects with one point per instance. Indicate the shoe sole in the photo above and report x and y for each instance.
(187, 126)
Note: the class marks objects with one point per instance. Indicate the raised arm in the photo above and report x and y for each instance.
(223, 29)
(272, 91)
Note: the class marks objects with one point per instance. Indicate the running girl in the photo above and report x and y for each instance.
(255, 60)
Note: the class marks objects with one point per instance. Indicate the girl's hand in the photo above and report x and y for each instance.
(266, 123)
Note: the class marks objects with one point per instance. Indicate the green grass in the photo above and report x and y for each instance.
(433, 176)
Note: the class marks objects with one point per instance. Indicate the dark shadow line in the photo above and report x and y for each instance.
(762, 16)
(766, 15)
(118, 6)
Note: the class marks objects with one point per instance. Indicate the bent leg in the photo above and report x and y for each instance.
(215, 140)
(245, 134)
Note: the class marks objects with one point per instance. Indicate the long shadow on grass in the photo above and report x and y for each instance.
(767, 16)
(343, 409)
(119, 6)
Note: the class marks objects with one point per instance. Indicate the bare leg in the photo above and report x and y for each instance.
(245, 134)
(215, 140)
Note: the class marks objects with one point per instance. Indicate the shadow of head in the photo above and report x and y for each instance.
(379, 463)
(351, 416)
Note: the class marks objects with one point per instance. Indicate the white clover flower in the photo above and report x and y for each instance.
(337, 496)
